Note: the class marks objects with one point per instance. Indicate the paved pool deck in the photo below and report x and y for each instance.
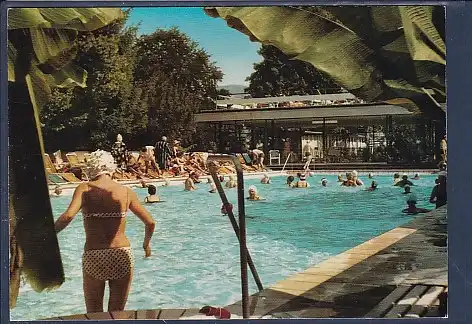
(353, 283)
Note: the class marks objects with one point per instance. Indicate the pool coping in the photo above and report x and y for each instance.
(305, 289)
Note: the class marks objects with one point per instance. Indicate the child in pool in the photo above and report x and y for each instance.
(152, 197)
(373, 186)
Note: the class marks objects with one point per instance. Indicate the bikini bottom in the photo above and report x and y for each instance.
(108, 264)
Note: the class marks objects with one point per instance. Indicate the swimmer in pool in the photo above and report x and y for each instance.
(153, 197)
(356, 179)
(302, 183)
(412, 209)
(189, 183)
(416, 177)
(253, 194)
(324, 182)
(407, 190)
(57, 191)
(371, 175)
(373, 186)
(404, 181)
(396, 178)
(265, 179)
(349, 182)
(340, 178)
(290, 180)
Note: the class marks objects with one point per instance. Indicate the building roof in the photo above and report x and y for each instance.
(249, 101)
(358, 110)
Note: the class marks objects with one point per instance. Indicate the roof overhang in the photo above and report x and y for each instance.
(354, 111)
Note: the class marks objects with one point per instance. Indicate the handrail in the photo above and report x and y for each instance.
(288, 156)
(240, 230)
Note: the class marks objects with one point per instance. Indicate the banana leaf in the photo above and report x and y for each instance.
(41, 46)
(380, 53)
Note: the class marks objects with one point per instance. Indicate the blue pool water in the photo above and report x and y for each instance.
(195, 259)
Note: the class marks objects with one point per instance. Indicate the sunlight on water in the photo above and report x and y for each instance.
(195, 258)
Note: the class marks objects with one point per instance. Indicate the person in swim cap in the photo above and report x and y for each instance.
(373, 186)
(404, 181)
(290, 180)
(356, 180)
(349, 182)
(407, 190)
(302, 183)
(396, 178)
(265, 179)
(416, 177)
(253, 193)
(153, 197)
(340, 178)
(324, 182)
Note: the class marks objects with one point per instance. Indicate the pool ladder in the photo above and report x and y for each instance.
(239, 230)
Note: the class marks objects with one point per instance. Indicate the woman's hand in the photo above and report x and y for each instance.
(147, 251)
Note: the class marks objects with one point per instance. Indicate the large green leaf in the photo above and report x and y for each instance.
(41, 46)
(377, 53)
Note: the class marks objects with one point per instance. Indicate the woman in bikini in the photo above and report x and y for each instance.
(107, 253)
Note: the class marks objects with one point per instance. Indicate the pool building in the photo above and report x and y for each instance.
(332, 128)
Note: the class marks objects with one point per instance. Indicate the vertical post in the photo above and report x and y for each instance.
(373, 138)
(325, 142)
(272, 144)
(242, 246)
(253, 135)
(220, 138)
(266, 135)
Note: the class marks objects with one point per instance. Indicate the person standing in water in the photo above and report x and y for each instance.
(107, 254)
(153, 197)
(439, 192)
(253, 194)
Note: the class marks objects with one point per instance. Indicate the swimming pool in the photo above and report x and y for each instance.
(195, 258)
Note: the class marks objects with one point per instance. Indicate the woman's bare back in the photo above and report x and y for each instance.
(104, 206)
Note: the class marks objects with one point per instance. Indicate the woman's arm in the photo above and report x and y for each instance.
(72, 210)
(138, 209)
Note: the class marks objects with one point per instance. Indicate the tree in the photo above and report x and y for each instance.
(90, 118)
(177, 80)
(278, 75)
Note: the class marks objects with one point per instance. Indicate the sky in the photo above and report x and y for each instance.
(231, 50)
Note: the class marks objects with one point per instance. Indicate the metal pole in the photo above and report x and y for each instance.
(241, 231)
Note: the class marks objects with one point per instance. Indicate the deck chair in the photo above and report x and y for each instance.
(81, 156)
(247, 158)
(56, 179)
(73, 160)
(274, 155)
(70, 177)
(48, 165)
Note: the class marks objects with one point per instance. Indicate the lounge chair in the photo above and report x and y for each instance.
(48, 165)
(81, 156)
(55, 178)
(247, 158)
(73, 160)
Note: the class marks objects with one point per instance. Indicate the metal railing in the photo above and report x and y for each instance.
(240, 230)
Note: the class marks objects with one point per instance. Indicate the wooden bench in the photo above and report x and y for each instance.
(410, 301)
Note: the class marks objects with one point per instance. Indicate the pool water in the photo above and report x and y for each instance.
(195, 259)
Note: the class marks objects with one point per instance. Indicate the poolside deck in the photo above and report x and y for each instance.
(397, 274)
(400, 273)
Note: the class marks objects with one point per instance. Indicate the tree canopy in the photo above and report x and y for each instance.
(279, 75)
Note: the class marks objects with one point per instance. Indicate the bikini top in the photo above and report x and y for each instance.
(117, 214)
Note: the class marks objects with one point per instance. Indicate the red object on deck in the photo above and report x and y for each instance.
(218, 312)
